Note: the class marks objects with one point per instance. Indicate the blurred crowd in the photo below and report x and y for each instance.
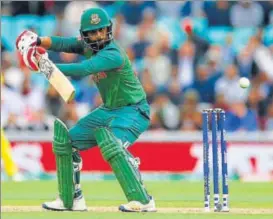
(186, 55)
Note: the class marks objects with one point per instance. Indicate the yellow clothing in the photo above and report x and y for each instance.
(10, 167)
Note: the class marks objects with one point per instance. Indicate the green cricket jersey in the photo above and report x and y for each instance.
(110, 69)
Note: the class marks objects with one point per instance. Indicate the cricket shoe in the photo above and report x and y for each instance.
(136, 206)
(18, 177)
(57, 205)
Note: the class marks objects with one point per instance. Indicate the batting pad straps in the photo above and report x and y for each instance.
(63, 152)
(61, 148)
(119, 160)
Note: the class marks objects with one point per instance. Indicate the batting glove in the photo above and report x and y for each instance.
(25, 40)
(32, 56)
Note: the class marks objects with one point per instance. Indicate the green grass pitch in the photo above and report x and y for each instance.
(247, 200)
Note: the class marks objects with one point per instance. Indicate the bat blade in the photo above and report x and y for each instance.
(63, 86)
(57, 79)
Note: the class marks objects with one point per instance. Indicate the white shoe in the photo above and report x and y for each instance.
(18, 177)
(57, 205)
(136, 206)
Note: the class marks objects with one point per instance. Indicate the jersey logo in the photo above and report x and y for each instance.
(97, 77)
(95, 19)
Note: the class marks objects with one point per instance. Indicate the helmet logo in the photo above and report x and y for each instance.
(95, 19)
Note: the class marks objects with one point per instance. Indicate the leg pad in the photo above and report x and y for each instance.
(62, 149)
(115, 154)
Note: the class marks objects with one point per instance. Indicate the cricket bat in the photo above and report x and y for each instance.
(57, 79)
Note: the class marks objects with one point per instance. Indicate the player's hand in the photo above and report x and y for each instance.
(32, 57)
(25, 40)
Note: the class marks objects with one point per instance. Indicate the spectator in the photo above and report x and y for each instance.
(3, 48)
(246, 64)
(256, 102)
(164, 44)
(71, 14)
(148, 86)
(34, 105)
(133, 11)
(142, 42)
(246, 13)
(123, 33)
(13, 75)
(220, 102)
(268, 12)
(158, 65)
(192, 8)
(69, 114)
(269, 118)
(150, 24)
(240, 118)
(191, 118)
(53, 102)
(137, 64)
(262, 56)
(229, 86)
(164, 113)
(214, 59)
(270, 93)
(228, 51)
(5, 8)
(63, 26)
(186, 64)
(29, 110)
(29, 7)
(204, 84)
(86, 93)
(169, 10)
(218, 13)
(10, 112)
(201, 44)
(174, 91)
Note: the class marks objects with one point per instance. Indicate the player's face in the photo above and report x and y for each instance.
(97, 35)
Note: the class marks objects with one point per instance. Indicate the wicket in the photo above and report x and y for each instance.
(217, 117)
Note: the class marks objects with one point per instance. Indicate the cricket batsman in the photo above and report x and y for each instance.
(113, 126)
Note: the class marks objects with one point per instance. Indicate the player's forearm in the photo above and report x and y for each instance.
(92, 66)
(99, 63)
(75, 69)
(62, 44)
